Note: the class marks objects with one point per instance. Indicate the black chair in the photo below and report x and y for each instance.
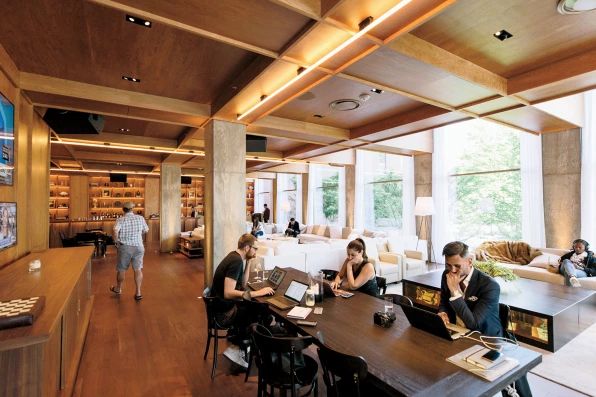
(382, 284)
(281, 363)
(68, 241)
(213, 328)
(343, 374)
(399, 299)
(505, 317)
(329, 274)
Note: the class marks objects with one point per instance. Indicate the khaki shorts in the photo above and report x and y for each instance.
(127, 254)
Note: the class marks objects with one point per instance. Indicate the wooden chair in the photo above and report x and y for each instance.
(382, 284)
(213, 328)
(343, 374)
(399, 299)
(277, 359)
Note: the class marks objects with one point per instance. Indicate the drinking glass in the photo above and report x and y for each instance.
(388, 304)
(310, 297)
(258, 270)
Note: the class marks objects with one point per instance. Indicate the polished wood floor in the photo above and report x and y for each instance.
(155, 347)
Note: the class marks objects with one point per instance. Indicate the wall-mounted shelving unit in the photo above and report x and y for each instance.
(59, 203)
(106, 198)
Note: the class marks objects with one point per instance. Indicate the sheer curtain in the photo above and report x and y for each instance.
(588, 170)
(440, 186)
(409, 196)
(312, 177)
(359, 190)
(531, 185)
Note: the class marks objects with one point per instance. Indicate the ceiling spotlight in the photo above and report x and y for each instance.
(263, 97)
(138, 21)
(124, 129)
(133, 79)
(376, 90)
(365, 22)
(503, 35)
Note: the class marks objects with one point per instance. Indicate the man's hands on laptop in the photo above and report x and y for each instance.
(264, 292)
(444, 317)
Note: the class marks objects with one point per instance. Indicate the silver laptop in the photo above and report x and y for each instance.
(291, 298)
(432, 323)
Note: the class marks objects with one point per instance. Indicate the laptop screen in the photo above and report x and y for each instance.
(296, 290)
(276, 276)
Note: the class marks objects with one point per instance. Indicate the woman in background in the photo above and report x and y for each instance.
(258, 229)
(357, 272)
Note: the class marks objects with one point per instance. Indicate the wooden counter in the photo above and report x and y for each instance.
(42, 359)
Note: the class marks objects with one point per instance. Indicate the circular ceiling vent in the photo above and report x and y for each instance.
(344, 105)
(568, 7)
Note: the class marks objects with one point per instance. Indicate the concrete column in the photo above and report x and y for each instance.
(169, 209)
(350, 175)
(561, 169)
(225, 191)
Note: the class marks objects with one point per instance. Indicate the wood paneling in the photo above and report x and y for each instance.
(79, 196)
(152, 196)
(39, 187)
(533, 119)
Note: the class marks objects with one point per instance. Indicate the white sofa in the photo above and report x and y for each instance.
(538, 269)
(324, 233)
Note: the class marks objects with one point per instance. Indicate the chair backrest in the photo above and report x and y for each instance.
(382, 284)
(399, 299)
(352, 370)
(329, 274)
(278, 355)
(505, 317)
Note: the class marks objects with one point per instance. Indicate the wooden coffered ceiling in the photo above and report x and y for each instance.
(436, 61)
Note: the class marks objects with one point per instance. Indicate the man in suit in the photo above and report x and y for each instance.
(266, 213)
(470, 298)
(293, 229)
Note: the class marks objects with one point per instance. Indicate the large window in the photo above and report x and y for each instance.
(289, 197)
(383, 186)
(484, 181)
(264, 195)
(327, 193)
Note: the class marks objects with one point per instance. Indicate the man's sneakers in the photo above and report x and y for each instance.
(574, 282)
(236, 355)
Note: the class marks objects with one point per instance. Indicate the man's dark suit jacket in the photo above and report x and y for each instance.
(478, 308)
(295, 227)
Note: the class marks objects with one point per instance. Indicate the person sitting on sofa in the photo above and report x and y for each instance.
(358, 272)
(577, 263)
(293, 229)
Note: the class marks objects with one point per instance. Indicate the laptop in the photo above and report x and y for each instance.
(291, 298)
(330, 292)
(432, 323)
(274, 280)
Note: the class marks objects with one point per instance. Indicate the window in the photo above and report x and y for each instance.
(383, 184)
(327, 195)
(484, 181)
(289, 197)
(263, 195)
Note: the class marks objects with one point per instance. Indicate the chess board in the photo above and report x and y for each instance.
(19, 312)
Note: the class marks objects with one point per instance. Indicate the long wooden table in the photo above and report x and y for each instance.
(403, 360)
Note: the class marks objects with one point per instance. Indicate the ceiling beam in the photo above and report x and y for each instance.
(129, 158)
(308, 8)
(122, 139)
(8, 66)
(302, 127)
(423, 51)
(554, 72)
(75, 89)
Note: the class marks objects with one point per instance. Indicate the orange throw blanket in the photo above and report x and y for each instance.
(507, 252)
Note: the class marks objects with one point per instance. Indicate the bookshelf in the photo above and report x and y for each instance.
(191, 195)
(250, 197)
(106, 198)
(59, 203)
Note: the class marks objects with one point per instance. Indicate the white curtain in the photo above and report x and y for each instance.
(409, 196)
(440, 186)
(531, 185)
(588, 170)
(312, 176)
(359, 190)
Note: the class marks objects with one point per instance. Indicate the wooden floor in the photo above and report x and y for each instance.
(155, 347)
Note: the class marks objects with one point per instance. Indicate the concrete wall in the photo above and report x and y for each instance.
(423, 178)
(561, 167)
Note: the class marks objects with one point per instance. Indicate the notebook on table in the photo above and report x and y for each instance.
(432, 323)
(273, 281)
(291, 298)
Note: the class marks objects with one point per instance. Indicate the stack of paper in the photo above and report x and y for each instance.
(299, 312)
(491, 374)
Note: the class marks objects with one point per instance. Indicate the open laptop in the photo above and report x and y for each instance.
(432, 323)
(330, 292)
(273, 281)
(291, 298)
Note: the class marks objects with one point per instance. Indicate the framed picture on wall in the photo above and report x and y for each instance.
(6, 141)
(8, 225)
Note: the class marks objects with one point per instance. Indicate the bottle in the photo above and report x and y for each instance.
(319, 292)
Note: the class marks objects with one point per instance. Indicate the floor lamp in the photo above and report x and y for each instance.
(425, 208)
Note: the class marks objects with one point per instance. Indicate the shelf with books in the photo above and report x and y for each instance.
(106, 198)
(250, 197)
(192, 196)
(59, 200)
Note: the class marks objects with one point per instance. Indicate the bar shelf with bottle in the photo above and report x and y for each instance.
(59, 201)
(106, 198)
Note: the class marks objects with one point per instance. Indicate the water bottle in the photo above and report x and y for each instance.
(319, 285)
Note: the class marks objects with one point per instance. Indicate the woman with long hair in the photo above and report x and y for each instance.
(357, 273)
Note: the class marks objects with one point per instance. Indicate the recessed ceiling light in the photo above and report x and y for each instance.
(130, 78)
(138, 21)
(376, 90)
(502, 35)
(124, 129)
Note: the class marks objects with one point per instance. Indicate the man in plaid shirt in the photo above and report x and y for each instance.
(128, 237)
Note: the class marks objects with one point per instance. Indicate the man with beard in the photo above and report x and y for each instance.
(229, 286)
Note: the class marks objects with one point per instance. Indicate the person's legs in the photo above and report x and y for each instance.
(122, 264)
(569, 271)
(522, 387)
(137, 265)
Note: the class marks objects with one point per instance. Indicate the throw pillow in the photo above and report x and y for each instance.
(309, 229)
(368, 233)
(321, 231)
(371, 248)
(544, 260)
(334, 232)
(396, 244)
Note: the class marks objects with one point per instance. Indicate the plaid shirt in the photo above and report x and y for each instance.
(129, 229)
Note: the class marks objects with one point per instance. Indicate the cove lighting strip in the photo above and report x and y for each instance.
(124, 147)
(330, 54)
(103, 171)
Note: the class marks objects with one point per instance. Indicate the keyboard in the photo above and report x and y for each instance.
(281, 302)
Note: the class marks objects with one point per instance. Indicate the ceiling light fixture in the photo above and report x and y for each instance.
(356, 36)
(124, 147)
(571, 7)
(133, 79)
(138, 21)
(503, 35)
(376, 90)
